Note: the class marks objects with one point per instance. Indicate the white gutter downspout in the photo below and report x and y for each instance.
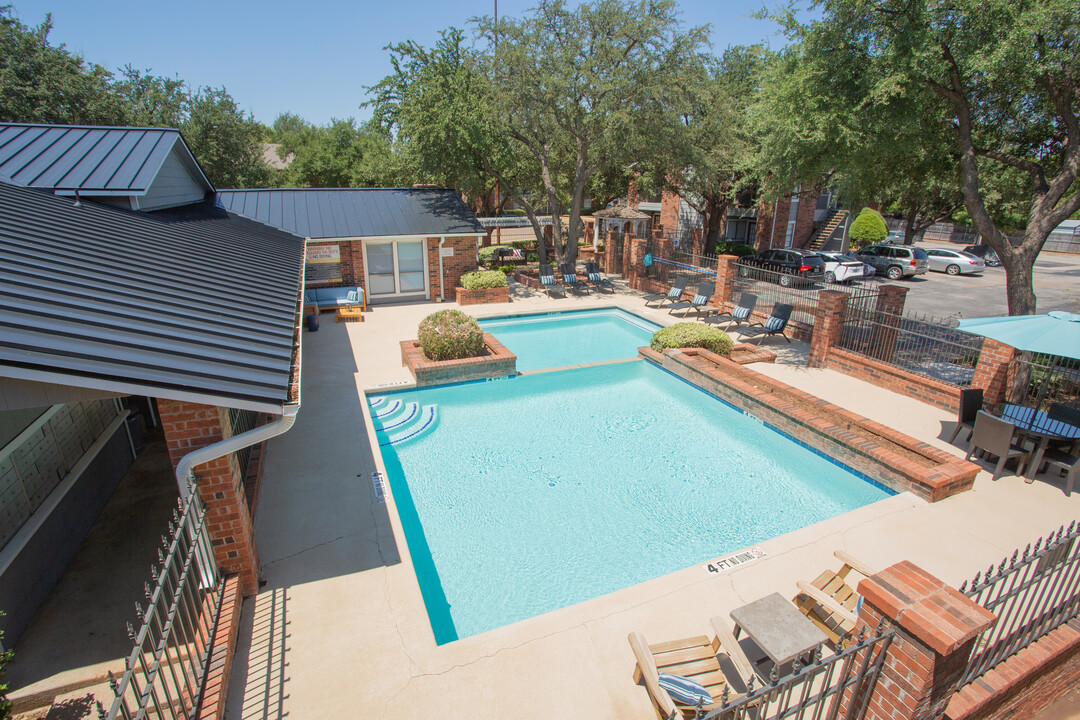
(772, 234)
(442, 279)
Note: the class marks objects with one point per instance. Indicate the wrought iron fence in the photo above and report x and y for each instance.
(923, 346)
(1039, 381)
(241, 421)
(668, 270)
(773, 287)
(701, 260)
(838, 686)
(163, 675)
(1031, 593)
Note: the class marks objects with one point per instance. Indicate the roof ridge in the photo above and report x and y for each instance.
(321, 189)
(88, 127)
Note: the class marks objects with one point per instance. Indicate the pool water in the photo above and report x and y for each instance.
(571, 338)
(534, 493)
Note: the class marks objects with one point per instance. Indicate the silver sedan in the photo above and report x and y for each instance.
(954, 262)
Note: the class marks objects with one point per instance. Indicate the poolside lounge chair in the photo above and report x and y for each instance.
(547, 281)
(971, 402)
(830, 601)
(570, 278)
(598, 281)
(699, 303)
(693, 658)
(995, 436)
(672, 295)
(740, 314)
(775, 324)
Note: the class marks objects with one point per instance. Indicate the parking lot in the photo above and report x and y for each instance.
(1057, 287)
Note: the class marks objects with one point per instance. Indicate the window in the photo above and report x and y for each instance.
(395, 267)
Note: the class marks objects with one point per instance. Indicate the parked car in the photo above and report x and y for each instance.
(895, 237)
(894, 261)
(786, 266)
(841, 268)
(987, 253)
(954, 262)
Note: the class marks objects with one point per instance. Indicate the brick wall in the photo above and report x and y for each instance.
(669, 211)
(222, 651)
(992, 371)
(462, 261)
(498, 362)
(482, 296)
(804, 219)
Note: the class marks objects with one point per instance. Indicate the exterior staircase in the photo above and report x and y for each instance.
(397, 422)
(824, 233)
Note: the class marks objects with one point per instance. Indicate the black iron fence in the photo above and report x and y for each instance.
(241, 421)
(1031, 593)
(163, 675)
(922, 346)
(773, 287)
(839, 686)
(700, 259)
(1039, 381)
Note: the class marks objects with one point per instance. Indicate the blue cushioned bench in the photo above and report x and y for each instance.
(332, 298)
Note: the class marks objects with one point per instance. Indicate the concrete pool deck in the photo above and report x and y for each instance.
(340, 630)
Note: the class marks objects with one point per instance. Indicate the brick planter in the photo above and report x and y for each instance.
(897, 461)
(496, 362)
(745, 353)
(483, 296)
(527, 278)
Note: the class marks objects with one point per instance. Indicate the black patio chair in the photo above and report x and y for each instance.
(739, 315)
(995, 436)
(570, 279)
(775, 324)
(971, 402)
(598, 281)
(547, 281)
(700, 302)
(672, 295)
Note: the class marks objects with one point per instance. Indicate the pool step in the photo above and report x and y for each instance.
(386, 408)
(424, 423)
(397, 421)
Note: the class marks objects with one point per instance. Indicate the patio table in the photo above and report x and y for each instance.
(1039, 426)
(779, 629)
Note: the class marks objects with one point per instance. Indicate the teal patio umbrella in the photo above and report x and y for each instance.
(1055, 333)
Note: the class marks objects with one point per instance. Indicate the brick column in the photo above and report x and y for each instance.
(666, 246)
(725, 281)
(634, 264)
(891, 299)
(936, 630)
(628, 243)
(890, 306)
(609, 253)
(828, 324)
(992, 371)
(190, 426)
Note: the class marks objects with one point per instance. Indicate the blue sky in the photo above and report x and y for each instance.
(315, 62)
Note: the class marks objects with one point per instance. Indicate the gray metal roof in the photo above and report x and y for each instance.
(193, 303)
(356, 212)
(92, 160)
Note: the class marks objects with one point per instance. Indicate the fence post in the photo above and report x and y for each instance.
(664, 246)
(936, 630)
(889, 307)
(609, 253)
(725, 281)
(992, 370)
(828, 324)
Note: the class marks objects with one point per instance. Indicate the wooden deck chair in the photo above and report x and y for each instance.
(830, 601)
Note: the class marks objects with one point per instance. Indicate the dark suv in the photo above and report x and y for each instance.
(786, 266)
(894, 261)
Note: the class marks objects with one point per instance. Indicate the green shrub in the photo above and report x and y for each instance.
(485, 254)
(479, 279)
(689, 334)
(450, 335)
(868, 228)
(506, 269)
(734, 248)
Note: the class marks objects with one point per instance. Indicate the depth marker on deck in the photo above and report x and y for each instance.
(378, 487)
(723, 564)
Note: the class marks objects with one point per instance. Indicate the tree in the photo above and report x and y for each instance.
(225, 140)
(1001, 77)
(868, 228)
(338, 155)
(42, 83)
(153, 101)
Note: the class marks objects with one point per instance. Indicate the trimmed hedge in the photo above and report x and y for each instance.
(689, 334)
(733, 248)
(450, 335)
(480, 279)
(868, 228)
(485, 255)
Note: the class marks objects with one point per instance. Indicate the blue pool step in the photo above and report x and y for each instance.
(397, 422)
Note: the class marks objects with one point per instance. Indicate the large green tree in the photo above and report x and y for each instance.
(226, 140)
(999, 78)
(340, 154)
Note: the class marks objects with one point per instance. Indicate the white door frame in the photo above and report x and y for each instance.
(397, 294)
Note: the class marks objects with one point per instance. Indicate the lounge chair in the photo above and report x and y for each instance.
(775, 324)
(570, 278)
(971, 402)
(699, 303)
(695, 659)
(547, 281)
(830, 601)
(674, 294)
(740, 314)
(995, 436)
(598, 281)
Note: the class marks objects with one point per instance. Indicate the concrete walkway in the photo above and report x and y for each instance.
(340, 630)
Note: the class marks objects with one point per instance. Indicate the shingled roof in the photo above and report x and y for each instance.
(194, 304)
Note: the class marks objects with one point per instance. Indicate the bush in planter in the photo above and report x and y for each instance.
(691, 334)
(868, 228)
(450, 335)
(480, 279)
(506, 269)
(725, 247)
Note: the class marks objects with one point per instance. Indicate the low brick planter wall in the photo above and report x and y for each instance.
(890, 377)
(745, 353)
(482, 296)
(895, 460)
(496, 362)
(525, 278)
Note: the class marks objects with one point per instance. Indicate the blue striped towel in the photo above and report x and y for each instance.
(775, 323)
(684, 691)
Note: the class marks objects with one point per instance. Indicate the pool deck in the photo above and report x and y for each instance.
(340, 630)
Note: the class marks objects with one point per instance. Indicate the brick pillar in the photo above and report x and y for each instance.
(891, 299)
(725, 281)
(664, 250)
(890, 306)
(190, 426)
(634, 264)
(936, 630)
(828, 324)
(669, 211)
(992, 371)
(628, 243)
(609, 253)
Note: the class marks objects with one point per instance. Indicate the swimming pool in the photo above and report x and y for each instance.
(571, 338)
(525, 495)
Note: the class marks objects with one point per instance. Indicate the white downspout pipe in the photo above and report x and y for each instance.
(442, 279)
(772, 233)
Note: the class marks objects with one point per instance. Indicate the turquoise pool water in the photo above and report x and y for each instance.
(521, 496)
(571, 338)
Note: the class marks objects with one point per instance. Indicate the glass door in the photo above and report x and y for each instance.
(396, 268)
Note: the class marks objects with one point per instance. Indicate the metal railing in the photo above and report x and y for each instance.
(668, 270)
(701, 260)
(241, 421)
(1039, 381)
(163, 675)
(926, 347)
(1031, 593)
(772, 287)
(839, 686)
